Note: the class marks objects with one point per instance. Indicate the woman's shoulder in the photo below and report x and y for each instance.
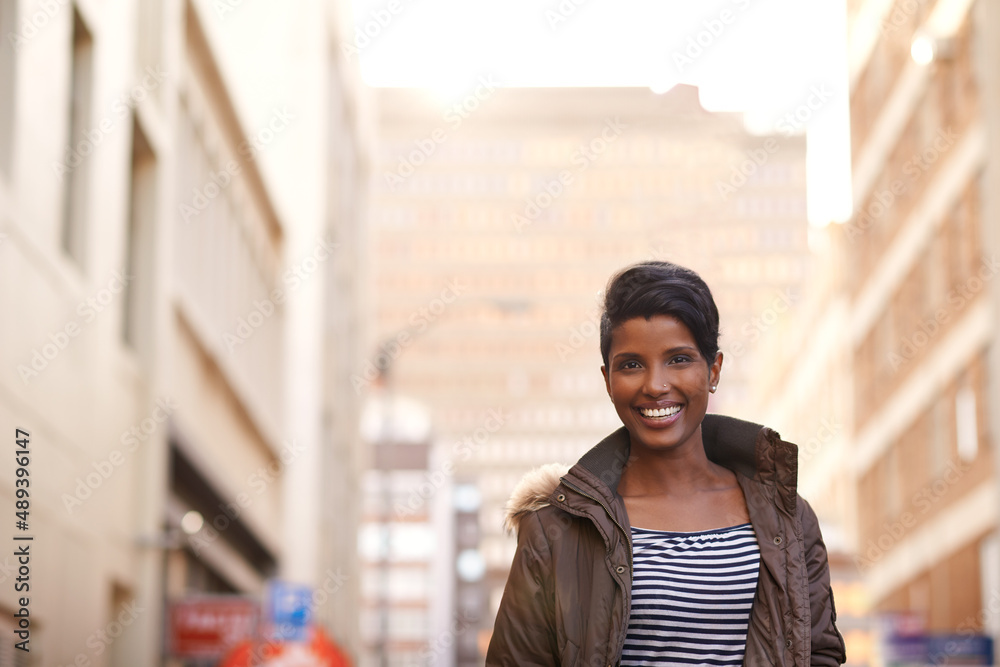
(532, 494)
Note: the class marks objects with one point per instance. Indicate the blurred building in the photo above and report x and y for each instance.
(803, 388)
(892, 367)
(179, 247)
(922, 327)
(405, 531)
(499, 217)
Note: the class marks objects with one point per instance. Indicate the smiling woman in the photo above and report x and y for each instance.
(679, 538)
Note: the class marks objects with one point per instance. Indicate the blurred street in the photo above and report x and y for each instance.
(295, 293)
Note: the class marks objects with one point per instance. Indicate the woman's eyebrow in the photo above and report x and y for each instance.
(636, 355)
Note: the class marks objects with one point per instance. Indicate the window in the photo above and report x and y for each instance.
(123, 615)
(138, 240)
(939, 441)
(8, 20)
(74, 177)
(150, 32)
(967, 431)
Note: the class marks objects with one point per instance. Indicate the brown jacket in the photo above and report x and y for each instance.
(569, 590)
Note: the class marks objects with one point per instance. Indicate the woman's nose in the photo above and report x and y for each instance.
(657, 382)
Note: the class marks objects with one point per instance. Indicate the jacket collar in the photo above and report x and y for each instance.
(752, 450)
(755, 452)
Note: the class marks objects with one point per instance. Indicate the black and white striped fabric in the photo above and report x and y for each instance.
(691, 596)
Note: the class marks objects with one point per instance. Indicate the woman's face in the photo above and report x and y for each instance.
(658, 381)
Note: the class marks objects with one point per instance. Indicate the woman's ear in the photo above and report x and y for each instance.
(715, 371)
(607, 381)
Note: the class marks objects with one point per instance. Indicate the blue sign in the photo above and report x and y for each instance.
(957, 649)
(289, 610)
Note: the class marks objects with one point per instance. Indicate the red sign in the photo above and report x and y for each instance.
(207, 626)
(318, 651)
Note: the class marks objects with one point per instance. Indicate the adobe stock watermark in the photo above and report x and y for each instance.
(462, 450)
(711, 31)
(562, 12)
(264, 309)
(35, 22)
(901, 15)
(427, 146)
(909, 346)
(371, 29)
(795, 120)
(583, 331)
(970, 624)
(257, 482)
(224, 7)
(130, 440)
(87, 310)
(827, 431)
(121, 108)
(419, 321)
(582, 158)
(443, 643)
(752, 329)
(741, 173)
(249, 148)
(101, 640)
(923, 500)
(913, 169)
(7, 569)
(788, 125)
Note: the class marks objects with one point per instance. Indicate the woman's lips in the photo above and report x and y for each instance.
(659, 421)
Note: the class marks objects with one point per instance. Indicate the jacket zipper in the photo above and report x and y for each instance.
(628, 538)
(627, 534)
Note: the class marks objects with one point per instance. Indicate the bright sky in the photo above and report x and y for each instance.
(767, 58)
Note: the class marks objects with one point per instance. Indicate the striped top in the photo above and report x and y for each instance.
(691, 596)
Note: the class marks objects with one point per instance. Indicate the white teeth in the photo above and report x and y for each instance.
(661, 412)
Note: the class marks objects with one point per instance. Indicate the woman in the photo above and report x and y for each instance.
(678, 539)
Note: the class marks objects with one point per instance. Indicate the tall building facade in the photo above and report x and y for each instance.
(898, 349)
(803, 388)
(499, 216)
(404, 537)
(892, 367)
(923, 322)
(180, 242)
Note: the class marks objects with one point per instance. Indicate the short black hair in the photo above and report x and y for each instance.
(661, 288)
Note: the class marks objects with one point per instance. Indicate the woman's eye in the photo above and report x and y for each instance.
(680, 359)
(631, 363)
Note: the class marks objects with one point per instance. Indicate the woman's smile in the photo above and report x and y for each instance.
(660, 417)
(659, 382)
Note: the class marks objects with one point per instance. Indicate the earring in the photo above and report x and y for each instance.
(713, 388)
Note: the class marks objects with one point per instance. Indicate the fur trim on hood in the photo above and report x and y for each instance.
(532, 493)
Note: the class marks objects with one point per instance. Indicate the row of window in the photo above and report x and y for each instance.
(83, 131)
(537, 192)
(942, 283)
(643, 150)
(888, 58)
(935, 459)
(940, 118)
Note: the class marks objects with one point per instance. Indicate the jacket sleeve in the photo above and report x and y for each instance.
(827, 643)
(524, 632)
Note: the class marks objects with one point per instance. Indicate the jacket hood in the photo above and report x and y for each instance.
(750, 449)
(532, 493)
